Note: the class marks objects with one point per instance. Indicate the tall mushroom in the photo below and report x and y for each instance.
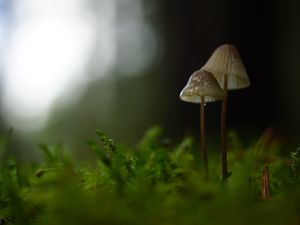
(202, 87)
(227, 66)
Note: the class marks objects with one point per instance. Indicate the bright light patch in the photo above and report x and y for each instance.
(53, 42)
(45, 56)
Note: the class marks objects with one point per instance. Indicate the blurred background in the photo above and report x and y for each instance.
(68, 67)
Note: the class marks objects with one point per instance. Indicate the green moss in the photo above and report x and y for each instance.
(156, 183)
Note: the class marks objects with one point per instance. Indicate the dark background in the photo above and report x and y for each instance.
(267, 36)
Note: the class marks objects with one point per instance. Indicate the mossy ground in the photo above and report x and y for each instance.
(156, 183)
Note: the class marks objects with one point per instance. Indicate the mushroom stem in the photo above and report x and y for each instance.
(223, 130)
(202, 134)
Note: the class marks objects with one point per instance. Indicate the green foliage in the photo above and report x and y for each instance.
(156, 183)
(295, 165)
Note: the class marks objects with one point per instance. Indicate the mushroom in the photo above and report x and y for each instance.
(202, 87)
(227, 66)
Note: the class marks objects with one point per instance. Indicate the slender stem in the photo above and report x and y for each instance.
(202, 134)
(265, 194)
(223, 131)
(267, 180)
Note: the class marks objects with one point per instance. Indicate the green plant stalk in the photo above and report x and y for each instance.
(202, 135)
(224, 130)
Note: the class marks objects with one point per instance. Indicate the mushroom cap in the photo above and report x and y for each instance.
(227, 60)
(201, 83)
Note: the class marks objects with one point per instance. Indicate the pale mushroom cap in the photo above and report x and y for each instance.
(201, 83)
(227, 60)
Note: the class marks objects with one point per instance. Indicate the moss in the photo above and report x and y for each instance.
(156, 183)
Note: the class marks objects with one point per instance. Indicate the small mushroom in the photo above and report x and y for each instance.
(202, 87)
(227, 66)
